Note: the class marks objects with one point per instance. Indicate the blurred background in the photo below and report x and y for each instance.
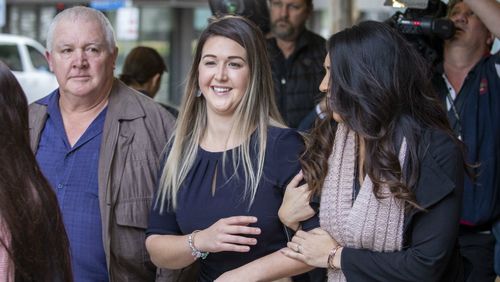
(169, 26)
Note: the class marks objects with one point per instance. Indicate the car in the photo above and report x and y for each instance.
(25, 58)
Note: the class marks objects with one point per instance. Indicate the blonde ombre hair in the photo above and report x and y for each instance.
(256, 111)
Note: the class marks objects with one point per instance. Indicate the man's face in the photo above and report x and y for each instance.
(470, 31)
(81, 59)
(288, 18)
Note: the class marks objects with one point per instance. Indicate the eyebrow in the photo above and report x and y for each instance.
(65, 44)
(230, 57)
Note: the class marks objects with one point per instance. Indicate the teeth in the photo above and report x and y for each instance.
(221, 89)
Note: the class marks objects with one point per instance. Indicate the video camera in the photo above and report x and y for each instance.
(423, 24)
(255, 10)
(427, 20)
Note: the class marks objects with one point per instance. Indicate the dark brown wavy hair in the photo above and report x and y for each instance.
(381, 88)
(38, 246)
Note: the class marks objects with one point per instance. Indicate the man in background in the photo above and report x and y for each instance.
(142, 70)
(297, 57)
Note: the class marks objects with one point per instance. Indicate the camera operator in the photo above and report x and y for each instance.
(469, 83)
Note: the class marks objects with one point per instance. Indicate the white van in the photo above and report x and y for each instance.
(25, 58)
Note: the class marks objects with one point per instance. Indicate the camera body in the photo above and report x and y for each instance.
(429, 21)
(426, 25)
(425, 28)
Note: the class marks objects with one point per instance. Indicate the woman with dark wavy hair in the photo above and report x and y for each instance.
(33, 242)
(387, 167)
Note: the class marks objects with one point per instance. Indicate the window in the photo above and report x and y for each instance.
(38, 59)
(9, 54)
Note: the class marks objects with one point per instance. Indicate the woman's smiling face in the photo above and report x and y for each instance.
(224, 75)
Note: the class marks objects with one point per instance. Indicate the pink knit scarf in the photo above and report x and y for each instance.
(368, 223)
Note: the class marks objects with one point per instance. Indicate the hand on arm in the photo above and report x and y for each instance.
(227, 234)
(295, 206)
(313, 248)
(489, 13)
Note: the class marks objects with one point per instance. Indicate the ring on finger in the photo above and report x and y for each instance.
(298, 249)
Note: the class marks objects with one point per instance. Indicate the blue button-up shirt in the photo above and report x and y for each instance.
(73, 173)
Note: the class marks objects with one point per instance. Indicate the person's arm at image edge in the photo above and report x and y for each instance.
(489, 13)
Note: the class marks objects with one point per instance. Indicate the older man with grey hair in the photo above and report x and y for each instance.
(98, 143)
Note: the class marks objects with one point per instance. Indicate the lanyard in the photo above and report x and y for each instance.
(451, 95)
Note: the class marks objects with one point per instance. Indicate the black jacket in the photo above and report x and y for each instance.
(430, 247)
(297, 78)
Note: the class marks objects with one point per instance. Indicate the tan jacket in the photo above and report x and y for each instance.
(135, 132)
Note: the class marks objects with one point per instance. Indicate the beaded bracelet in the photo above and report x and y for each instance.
(194, 251)
(331, 257)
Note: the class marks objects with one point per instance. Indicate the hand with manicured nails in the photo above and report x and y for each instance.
(314, 247)
(227, 234)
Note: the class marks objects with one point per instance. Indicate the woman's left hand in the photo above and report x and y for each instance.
(311, 247)
(295, 206)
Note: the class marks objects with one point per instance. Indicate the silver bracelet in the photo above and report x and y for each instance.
(194, 251)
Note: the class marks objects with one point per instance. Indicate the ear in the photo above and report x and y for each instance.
(115, 55)
(156, 79)
(48, 57)
(152, 85)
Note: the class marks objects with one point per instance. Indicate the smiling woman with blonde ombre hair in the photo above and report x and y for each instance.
(227, 165)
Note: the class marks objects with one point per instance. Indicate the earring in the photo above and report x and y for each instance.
(198, 93)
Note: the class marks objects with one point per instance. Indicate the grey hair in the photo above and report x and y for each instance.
(83, 13)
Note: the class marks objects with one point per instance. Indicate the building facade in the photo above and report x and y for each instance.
(170, 26)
